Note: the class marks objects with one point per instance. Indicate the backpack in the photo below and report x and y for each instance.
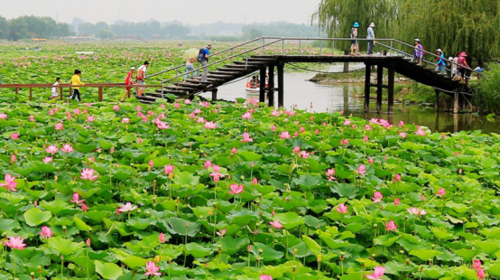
(422, 50)
(201, 55)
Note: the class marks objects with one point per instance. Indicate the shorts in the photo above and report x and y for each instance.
(141, 83)
(354, 41)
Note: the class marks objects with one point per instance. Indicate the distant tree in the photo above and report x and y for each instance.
(106, 34)
(4, 27)
(17, 29)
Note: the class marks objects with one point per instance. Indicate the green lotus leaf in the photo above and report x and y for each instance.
(424, 254)
(289, 220)
(231, 245)
(198, 251)
(182, 227)
(64, 246)
(108, 270)
(36, 216)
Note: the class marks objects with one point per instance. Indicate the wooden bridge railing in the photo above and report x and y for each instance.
(61, 87)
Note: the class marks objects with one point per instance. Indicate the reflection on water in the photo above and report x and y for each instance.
(303, 95)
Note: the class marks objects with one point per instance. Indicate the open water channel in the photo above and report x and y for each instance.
(301, 93)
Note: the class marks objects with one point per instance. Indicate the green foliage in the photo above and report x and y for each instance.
(487, 91)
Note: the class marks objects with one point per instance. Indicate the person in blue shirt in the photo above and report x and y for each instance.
(354, 38)
(441, 64)
(203, 59)
(371, 37)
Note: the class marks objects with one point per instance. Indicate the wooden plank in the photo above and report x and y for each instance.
(270, 93)
(390, 90)
(368, 70)
(262, 93)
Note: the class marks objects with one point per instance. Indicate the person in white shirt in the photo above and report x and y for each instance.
(55, 94)
(141, 75)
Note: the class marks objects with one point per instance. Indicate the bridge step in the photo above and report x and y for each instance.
(253, 63)
(180, 88)
(171, 91)
(190, 85)
(197, 81)
(220, 76)
(221, 73)
(228, 69)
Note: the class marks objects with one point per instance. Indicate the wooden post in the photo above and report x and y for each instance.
(214, 94)
(31, 94)
(368, 72)
(390, 90)
(270, 93)
(280, 84)
(17, 93)
(456, 102)
(100, 94)
(346, 64)
(436, 102)
(262, 88)
(436, 122)
(380, 80)
(61, 93)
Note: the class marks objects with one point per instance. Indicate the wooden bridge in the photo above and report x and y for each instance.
(268, 55)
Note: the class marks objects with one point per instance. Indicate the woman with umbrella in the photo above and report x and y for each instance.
(190, 56)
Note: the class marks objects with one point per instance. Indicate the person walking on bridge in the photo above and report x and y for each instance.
(141, 75)
(371, 38)
(75, 81)
(441, 62)
(203, 58)
(354, 39)
(418, 53)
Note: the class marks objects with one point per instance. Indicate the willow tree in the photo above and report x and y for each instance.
(336, 17)
(454, 26)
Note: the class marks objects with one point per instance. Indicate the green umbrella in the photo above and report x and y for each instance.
(190, 54)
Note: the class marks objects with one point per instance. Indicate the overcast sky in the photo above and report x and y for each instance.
(187, 11)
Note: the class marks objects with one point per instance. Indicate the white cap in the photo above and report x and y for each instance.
(132, 68)
(372, 24)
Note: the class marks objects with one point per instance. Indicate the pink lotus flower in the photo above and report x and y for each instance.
(377, 273)
(151, 164)
(236, 189)
(14, 136)
(128, 207)
(187, 101)
(47, 159)
(246, 138)
(222, 232)
(344, 142)
(342, 208)
(77, 111)
(32, 118)
(397, 201)
(116, 108)
(441, 192)
(51, 112)
(59, 126)
(365, 139)
(330, 173)
(403, 135)
(275, 113)
(76, 199)
(67, 148)
(138, 108)
(397, 177)
(68, 114)
(302, 129)
(476, 264)
(247, 116)
(443, 136)
(139, 140)
(210, 125)
(201, 120)
(285, 135)
(371, 160)
(207, 164)
(296, 134)
(177, 105)
(46, 232)
(420, 132)
(15, 243)
(276, 224)
(347, 122)
(266, 277)
(162, 125)
(162, 238)
(197, 111)
(10, 183)
(422, 197)
(88, 174)
(377, 197)
(125, 120)
(296, 149)
(216, 174)
(361, 170)
(273, 127)
(391, 226)
(52, 149)
(368, 127)
(85, 208)
(168, 169)
(255, 181)
(481, 274)
(304, 154)
(152, 269)
(3, 116)
(12, 158)
(233, 150)
(316, 131)
(416, 211)
(401, 124)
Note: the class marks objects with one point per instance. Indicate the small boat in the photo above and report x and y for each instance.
(252, 91)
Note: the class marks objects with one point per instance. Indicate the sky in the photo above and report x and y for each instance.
(193, 12)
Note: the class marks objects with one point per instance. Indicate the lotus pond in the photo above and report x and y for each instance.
(194, 190)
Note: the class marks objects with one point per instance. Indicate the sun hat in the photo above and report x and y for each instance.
(356, 24)
(464, 54)
(439, 50)
(132, 68)
(417, 40)
(372, 24)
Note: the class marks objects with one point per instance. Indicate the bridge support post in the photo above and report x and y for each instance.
(270, 93)
(380, 80)
(436, 102)
(280, 85)
(368, 72)
(390, 91)
(456, 102)
(31, 94)
(346, 64)
(100, 94)
(61, 93)
(262, 92)
(17, 93)
(214, 94)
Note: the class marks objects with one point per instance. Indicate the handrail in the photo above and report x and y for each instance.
(214, 54)
(219, 61)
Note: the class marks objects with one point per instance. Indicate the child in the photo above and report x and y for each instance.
(128, 81)
(190, 67)
(55, 94)
(75, 81)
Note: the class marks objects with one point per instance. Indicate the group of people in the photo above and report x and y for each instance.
(370, 36)
(203, 58)
(458, 64)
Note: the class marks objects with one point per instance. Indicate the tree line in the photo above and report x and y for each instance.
(454, 26)
(31, 26)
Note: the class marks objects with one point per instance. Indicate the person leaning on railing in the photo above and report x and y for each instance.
(75, 81)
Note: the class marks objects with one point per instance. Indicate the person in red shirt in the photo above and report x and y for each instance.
(128, 81)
